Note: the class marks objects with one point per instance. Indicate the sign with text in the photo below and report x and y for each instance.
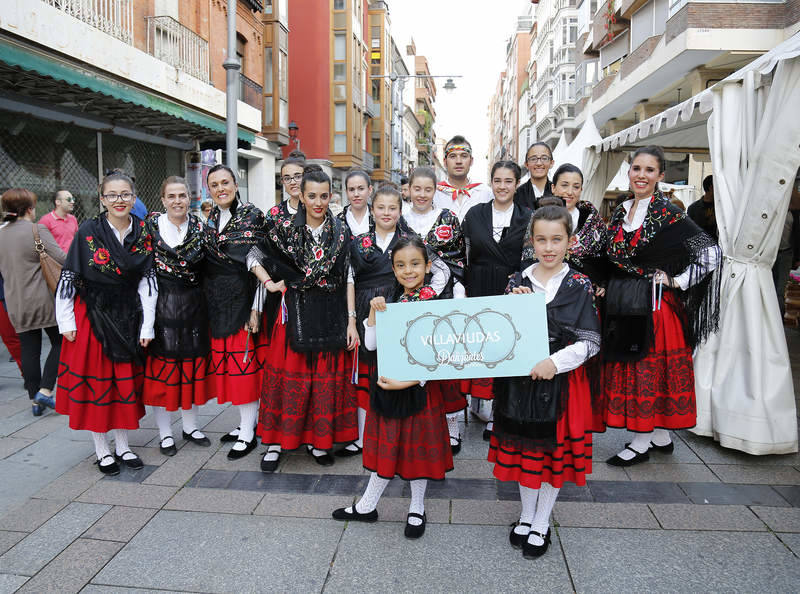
(501, 336)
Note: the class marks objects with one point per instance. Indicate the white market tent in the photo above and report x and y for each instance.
(748, 123)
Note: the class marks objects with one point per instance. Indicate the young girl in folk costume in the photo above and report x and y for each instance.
(105, 307)
(542, 423)
(308, 397)
(291, 176)
(175, 375)
(356, 215)
(661, 302)
(440, 229)
(233, 299)
(406, 433)
(538, 161)
(494, 234)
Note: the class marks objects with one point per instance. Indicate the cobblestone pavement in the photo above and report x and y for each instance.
(702, 519)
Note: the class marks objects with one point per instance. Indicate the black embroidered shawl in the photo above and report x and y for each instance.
(105, 275)
(446, 240)
(181, 328)
(342, 216)
(526, 197)
(228, 285)
(490, 263)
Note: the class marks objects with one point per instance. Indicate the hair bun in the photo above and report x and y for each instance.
(311, 167)
(552, 201)
(296, 154)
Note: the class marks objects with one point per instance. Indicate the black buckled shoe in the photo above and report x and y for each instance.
(270, 466)
(134, 463)
(324, 460)
(109, 469)
(530, 551)
(230, 437)
(455, 448)
(516, 539)
(249, 447)
(343, 515)
(347, 453)
(201, 441)
(169, 450)
(413, 531)
(665, 449)
(638, 458)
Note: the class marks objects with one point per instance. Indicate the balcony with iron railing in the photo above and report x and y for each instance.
(250, 92)
(114, 17)
(178, 46)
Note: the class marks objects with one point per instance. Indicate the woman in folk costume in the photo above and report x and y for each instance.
(291, 176)
(538, 161)
(406, 433)
(494, 234)
(440, 229)
(175, 374)
(661, 302)
(308, 397)
(542, 434)
(234, 299)
(356, 215)
(105, 308)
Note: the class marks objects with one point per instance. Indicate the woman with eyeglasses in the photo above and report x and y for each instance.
(538, 161)
(291, 176)
(176, 371)
(234, 303)
(105, 308)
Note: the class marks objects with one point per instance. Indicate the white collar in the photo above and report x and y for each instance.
(556, 278)
(121, 236)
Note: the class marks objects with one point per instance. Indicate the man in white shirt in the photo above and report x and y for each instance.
(458, 193)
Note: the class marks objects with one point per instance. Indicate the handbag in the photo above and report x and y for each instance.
(398, 404)
(628, 319)
(51, 270)
(528, 408)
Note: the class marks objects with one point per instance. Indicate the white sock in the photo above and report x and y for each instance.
(452, 427)
(661, 437)
(417, 500)
(528, 498)
(164, 424)
(273, 453)
(490, 426)
(248, 413)
(362, 420)
(544, 507)
(317, 453)
(121, 444)
(372, 494)
(101, 448)
(189, 420)
(640, 443)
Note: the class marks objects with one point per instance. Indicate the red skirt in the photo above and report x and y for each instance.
(417, 447)
(658, 390)
(176, 383)
(306, 398)
(231, 378)
(362, 388)
(453, 400)
(478, 388)
(97, 394)
(570, 461)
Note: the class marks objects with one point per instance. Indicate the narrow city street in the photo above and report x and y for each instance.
(702, 519)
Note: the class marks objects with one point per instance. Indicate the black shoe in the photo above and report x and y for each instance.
(665, 449)
(43, 400)
(517, 540)
(270, 466)
(230, 437)
(638, 458)
(109, 469)
(201, 441)
(342, 514)
(412, 531)
(457, 447)
(487, 434)
(530, 551)
(345, 453)
(37, 409)
(169, 450)
(324, 460)
(134, 463)
(249, 447)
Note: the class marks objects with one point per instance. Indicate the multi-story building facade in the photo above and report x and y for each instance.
(639, 57)
(424, 98)
(86, 86)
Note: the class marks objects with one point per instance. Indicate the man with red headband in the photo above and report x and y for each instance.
(458, 193)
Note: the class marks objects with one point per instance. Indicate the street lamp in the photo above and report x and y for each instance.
(293, 131)
(231, 66)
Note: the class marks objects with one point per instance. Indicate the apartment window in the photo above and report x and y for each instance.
(569, 30)
(339, 56)
(283, 15)
(340, 143)
(268, 116)
(241, 45)
(648, 21)
(338, 4)
(340, 118)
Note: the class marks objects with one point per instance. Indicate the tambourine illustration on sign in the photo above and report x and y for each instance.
(458, 340)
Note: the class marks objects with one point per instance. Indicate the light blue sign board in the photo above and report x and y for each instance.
(501, 336)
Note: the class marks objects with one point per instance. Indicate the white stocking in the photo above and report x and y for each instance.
(640, 443)
(372, 494)
(544, 507)
(189, 419)
(452, 427)
(121, 444)
(417, 500)
(660, 437)
(248, 413)
(164, 424)
(528, 498)
(101, 448)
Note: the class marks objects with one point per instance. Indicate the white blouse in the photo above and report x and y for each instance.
(65, 312)
(420, 223)
(572, 356)
(172, 235)
(355, 227)
(575, 215)
(500, 220)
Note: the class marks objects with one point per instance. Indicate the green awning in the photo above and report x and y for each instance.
(16, 56)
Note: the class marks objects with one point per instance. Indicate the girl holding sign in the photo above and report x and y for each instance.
(542, 432)
(406, 432)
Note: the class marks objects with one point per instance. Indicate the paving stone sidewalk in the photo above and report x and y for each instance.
(704, 518)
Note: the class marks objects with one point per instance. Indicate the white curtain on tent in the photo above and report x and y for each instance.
(745, 396)
(599, 170)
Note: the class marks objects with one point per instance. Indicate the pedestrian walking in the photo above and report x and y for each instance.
(105, 306)
(538, 161)
(542, 433)
(7, 332)
(406, 433)
(27, 297)
(60, 221)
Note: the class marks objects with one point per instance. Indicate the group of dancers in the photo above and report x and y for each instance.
(276, 313)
